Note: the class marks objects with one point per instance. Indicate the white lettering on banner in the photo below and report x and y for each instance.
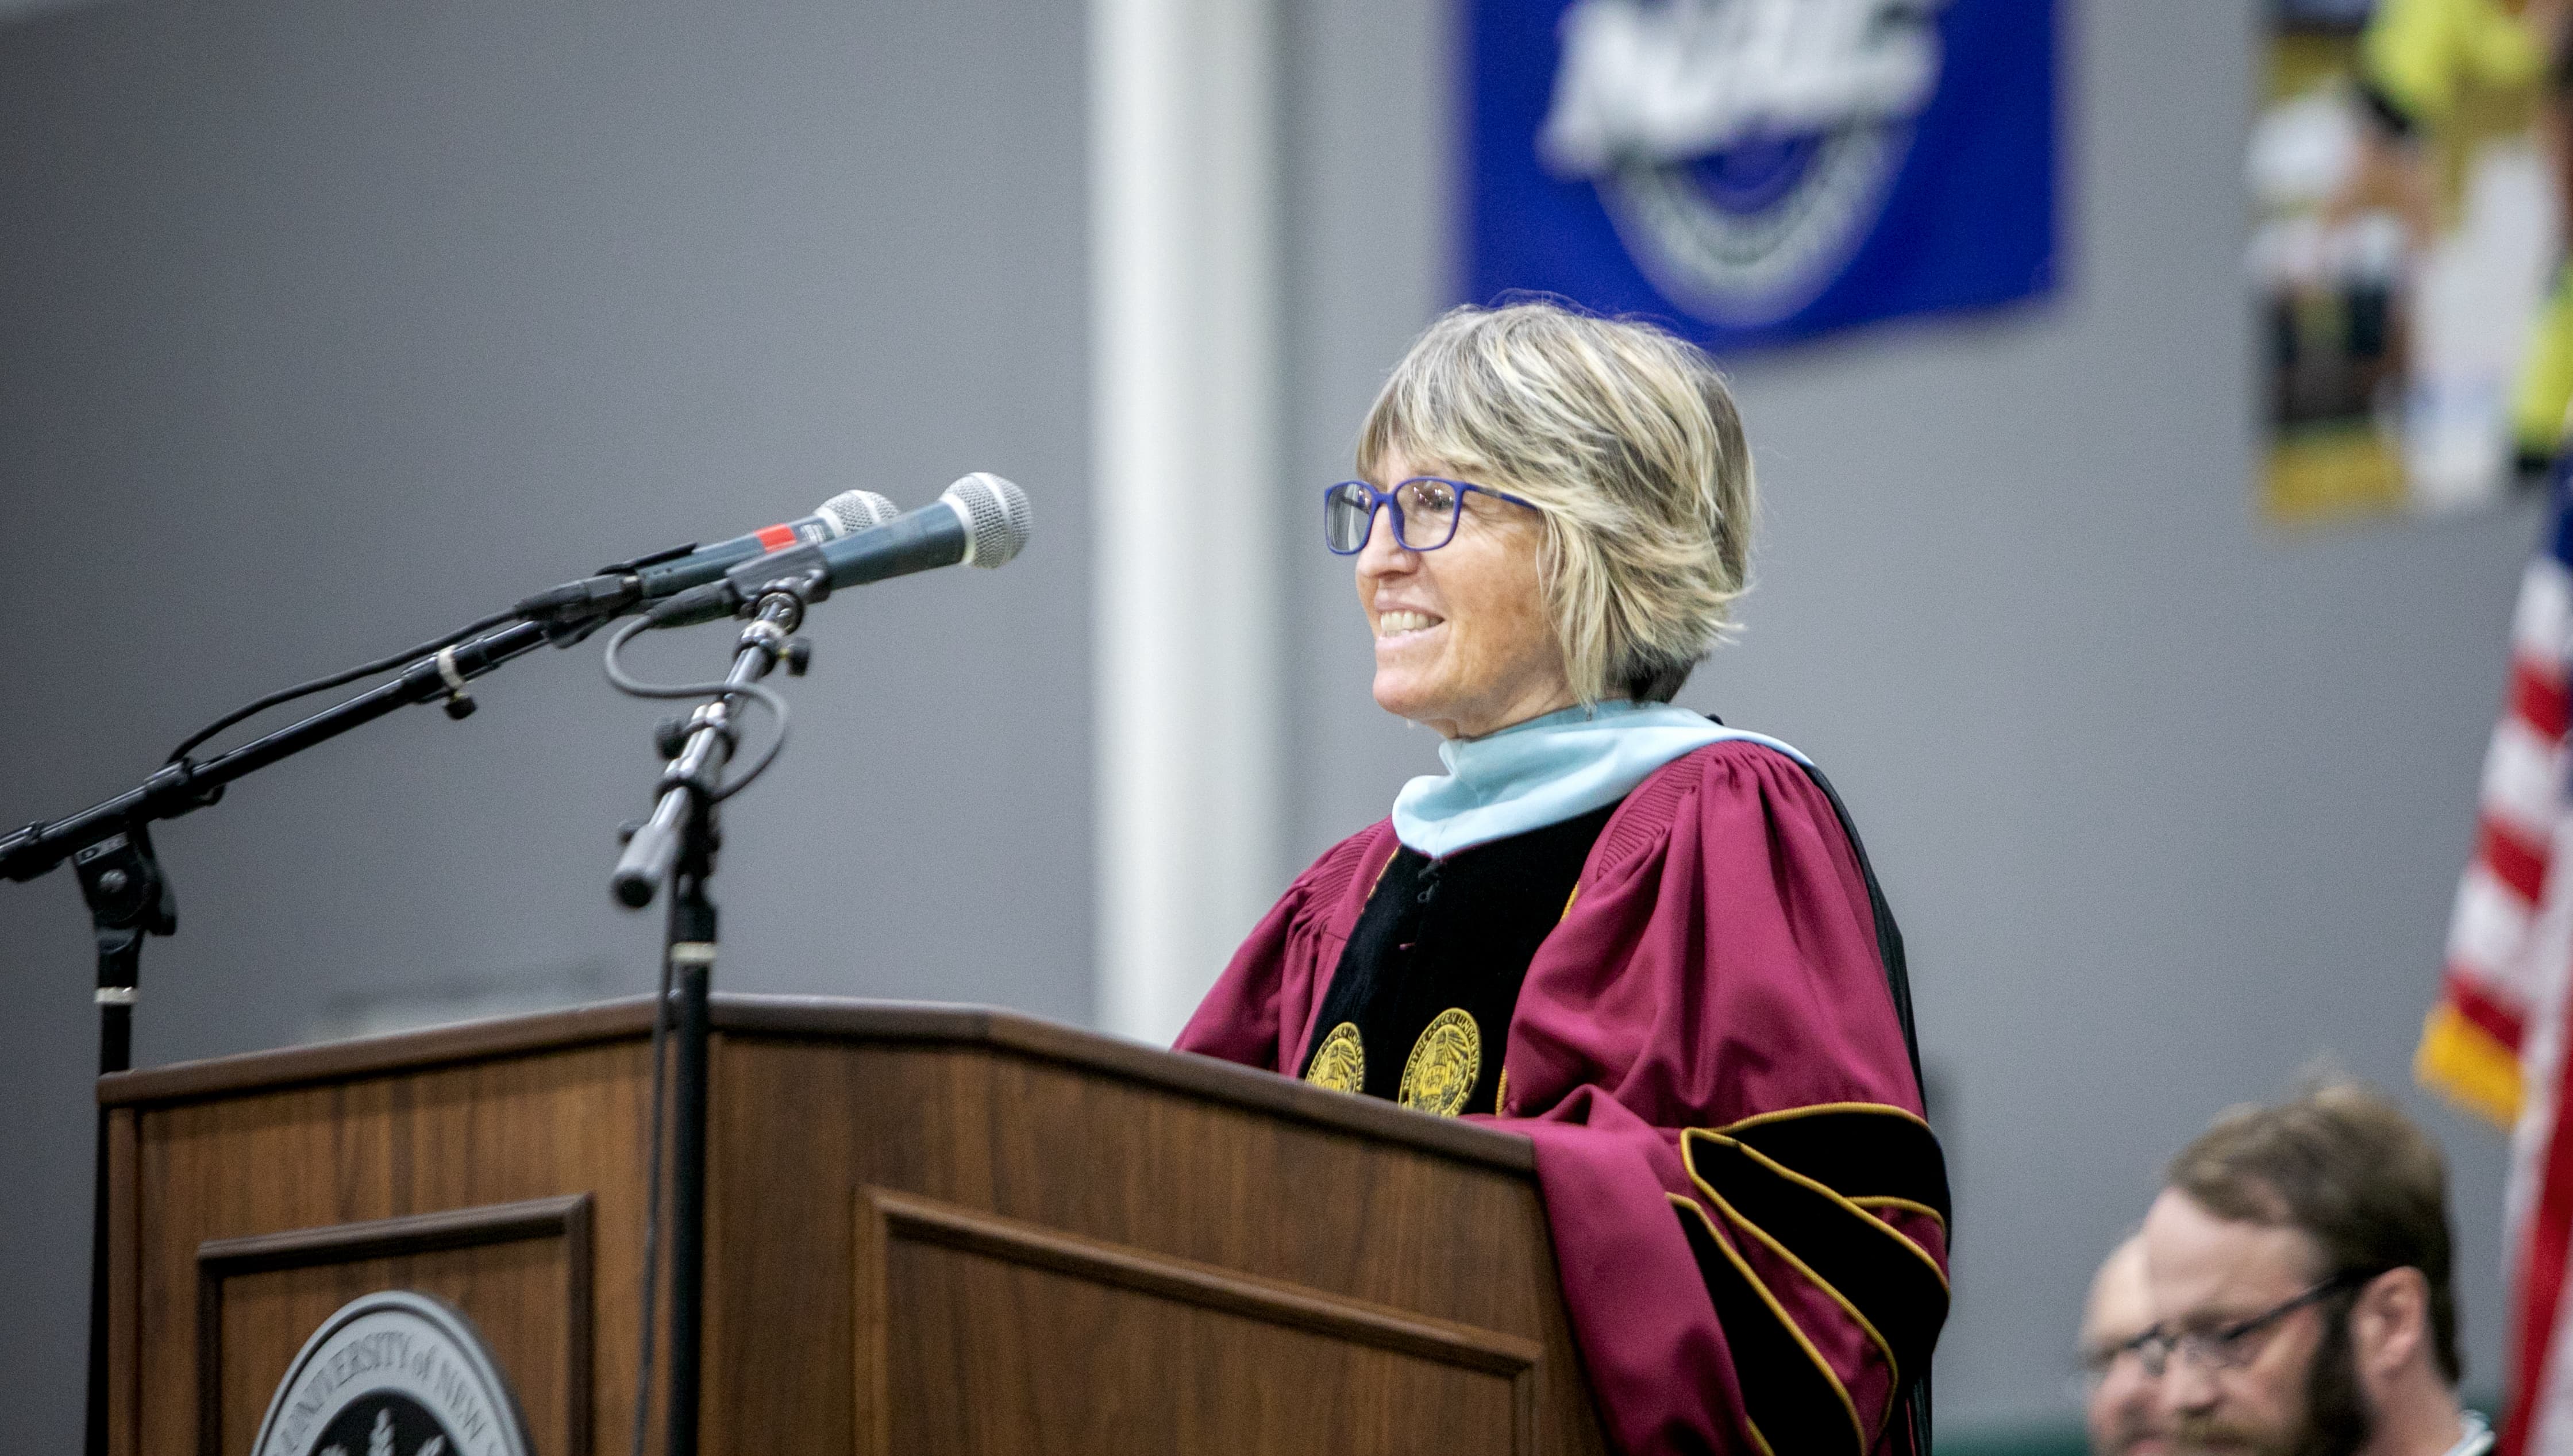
(1742, 148)
(1668, 82)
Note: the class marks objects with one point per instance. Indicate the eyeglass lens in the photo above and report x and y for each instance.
(2217, 1349)
(1429, 513)
(1346, 513)
(1425, 515)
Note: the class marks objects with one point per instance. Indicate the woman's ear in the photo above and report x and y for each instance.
(2390, 1324)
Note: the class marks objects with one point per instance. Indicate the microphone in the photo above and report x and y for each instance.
(981, 520)
(620, 587)
(843, 515)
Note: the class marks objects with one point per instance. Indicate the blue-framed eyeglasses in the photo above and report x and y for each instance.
(1425, 510)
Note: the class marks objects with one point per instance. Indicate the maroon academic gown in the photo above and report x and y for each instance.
(1750, 1286)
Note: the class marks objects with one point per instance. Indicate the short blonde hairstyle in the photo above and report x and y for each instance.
(1627, 441)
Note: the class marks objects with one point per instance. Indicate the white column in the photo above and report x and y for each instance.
(1184, 365)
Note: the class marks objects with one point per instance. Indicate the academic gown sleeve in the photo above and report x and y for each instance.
(1748, 1214)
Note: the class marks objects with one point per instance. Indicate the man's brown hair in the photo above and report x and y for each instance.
(2341, 1162)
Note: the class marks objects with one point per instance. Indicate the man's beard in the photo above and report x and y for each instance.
(2337, 1418)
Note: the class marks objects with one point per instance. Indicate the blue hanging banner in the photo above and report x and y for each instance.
(1760, 170)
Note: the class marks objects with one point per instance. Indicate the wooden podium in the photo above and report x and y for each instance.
(929, 1229)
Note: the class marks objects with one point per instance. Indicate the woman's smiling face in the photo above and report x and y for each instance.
(1462, 640)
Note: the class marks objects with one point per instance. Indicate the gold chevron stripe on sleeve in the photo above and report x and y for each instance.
(1857, 1149)
(1696, 1137)
(1885, 1283)
(1770, 1356)
(1884, 1347)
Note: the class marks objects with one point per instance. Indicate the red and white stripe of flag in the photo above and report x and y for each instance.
(2496, 1039)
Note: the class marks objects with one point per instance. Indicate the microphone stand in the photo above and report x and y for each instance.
(129, 898)
(110, 847)
(679, 843)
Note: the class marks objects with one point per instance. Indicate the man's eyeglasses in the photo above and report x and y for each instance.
(2228, 1346)
(2099, 1361)
(1425, 510)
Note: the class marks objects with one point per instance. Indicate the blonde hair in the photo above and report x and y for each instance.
(1627, 441)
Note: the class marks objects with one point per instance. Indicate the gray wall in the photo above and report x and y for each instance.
(328, 326)
(2167, 801)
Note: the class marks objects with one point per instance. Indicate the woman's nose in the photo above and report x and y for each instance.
(1383, 552)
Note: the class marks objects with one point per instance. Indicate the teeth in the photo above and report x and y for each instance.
(1391, 623)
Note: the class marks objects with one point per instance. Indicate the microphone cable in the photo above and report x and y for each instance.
(339, 679)
(627, 683)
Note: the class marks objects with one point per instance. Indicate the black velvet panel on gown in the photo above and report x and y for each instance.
(1441, 937)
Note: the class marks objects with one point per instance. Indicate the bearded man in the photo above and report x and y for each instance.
(2298, 1261)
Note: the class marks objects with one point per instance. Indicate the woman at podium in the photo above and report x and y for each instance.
(1648, 941)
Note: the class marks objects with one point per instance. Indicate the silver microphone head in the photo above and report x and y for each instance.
(855, 510)
(996, 517)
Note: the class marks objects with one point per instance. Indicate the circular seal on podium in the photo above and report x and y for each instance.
(393, 1373)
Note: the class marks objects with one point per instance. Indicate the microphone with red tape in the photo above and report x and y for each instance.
(628, 586)
(981, 520)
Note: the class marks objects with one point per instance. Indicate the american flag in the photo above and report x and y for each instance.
(2495, 1042)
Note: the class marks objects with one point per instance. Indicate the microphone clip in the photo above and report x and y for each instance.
(797, 578)
(800, 574)
(575, 609)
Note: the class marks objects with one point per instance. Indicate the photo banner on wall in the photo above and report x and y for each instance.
(2407, 232)
(1762, 171)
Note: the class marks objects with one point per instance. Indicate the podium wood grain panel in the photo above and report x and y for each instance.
(1067, 1243)
(1057, 1146)
(1092, 1347)
(524, 1268)
(277, 1166)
